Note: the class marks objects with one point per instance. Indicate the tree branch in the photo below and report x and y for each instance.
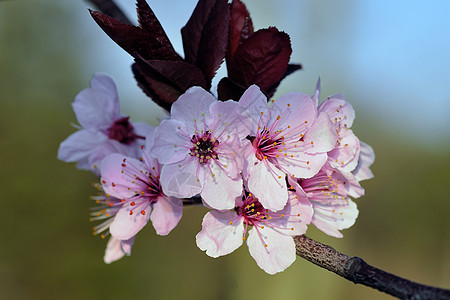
(357, 270)
(108, 7)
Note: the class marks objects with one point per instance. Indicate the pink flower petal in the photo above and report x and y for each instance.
(192, 104)
(268, 184)
(167, 212)
(321, 135)
(301, 110)
(182, 180)
(340, 111)
(366, 159)
(279, 253)
(331, 221)
(113, 250)
(116, 249)
(79, 145)
(97, 107)
(345, 156)
(220, 191)
(218, 237)
(125, 226)
(170, 142)
(121, 184)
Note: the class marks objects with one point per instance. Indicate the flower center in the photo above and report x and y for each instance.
(205, 147)
(251, 210)
(267, 144)
(122, 131)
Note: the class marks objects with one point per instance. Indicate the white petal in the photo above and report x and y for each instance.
(182, 180)
(125, 226)
(220, 191)
(167, 212)
(268, 184)
(279, 253)
(217, 236)
(192, 104)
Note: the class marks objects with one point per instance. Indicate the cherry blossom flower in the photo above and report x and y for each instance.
(106, 210)
(136, 183)
(287, 138)
(329, 192)
(103, 129)
(366, 159)
(269, 233)
(345, 154)
(200, 148)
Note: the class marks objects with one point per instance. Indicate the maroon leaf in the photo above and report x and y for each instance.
(290, 69)
(261, 59)
(136, 41)
(228, 89)
(241, 27)
(164, 81)
(150, 23)
(205, 36)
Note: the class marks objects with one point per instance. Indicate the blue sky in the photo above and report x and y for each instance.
(390, 58)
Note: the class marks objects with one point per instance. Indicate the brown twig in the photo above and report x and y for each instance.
(108, 7)
(357, 270)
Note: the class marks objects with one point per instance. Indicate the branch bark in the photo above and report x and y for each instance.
(357, 270)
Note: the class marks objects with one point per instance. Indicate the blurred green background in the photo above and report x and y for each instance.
(50, 49)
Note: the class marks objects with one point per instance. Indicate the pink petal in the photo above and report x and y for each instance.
(79, 145)
(97, 107)
(125, 226)
(295, 108)
(167, 212)
(321, 135)
(345, 156)
(217, 236)
(106, 148)
(230, 119)
(279, 253)
(340, 111)
(316, 96)
(116, 249)
(312, 163)
(331, 221)
(113, 250)
(192, 104)
(170, 143)
(268, 184)
(121, 184)
(182, 180)
(255, 102)
(366, 159)
(220, 191)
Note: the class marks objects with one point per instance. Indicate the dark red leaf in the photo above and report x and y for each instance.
(261, 59)
(290, 69)
(136, 41)
(205, 36)
(164, 81)
(228, 89)
(150, 23)
(241, 27)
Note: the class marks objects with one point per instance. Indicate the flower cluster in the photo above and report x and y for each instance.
(265, 169)
(269, 170)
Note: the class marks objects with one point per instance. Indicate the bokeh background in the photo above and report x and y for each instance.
(391, 60)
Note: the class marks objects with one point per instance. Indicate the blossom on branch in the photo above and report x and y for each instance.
(200, 148)
(269, 233)
(136, 183)
(103, 129)
(287, 138)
